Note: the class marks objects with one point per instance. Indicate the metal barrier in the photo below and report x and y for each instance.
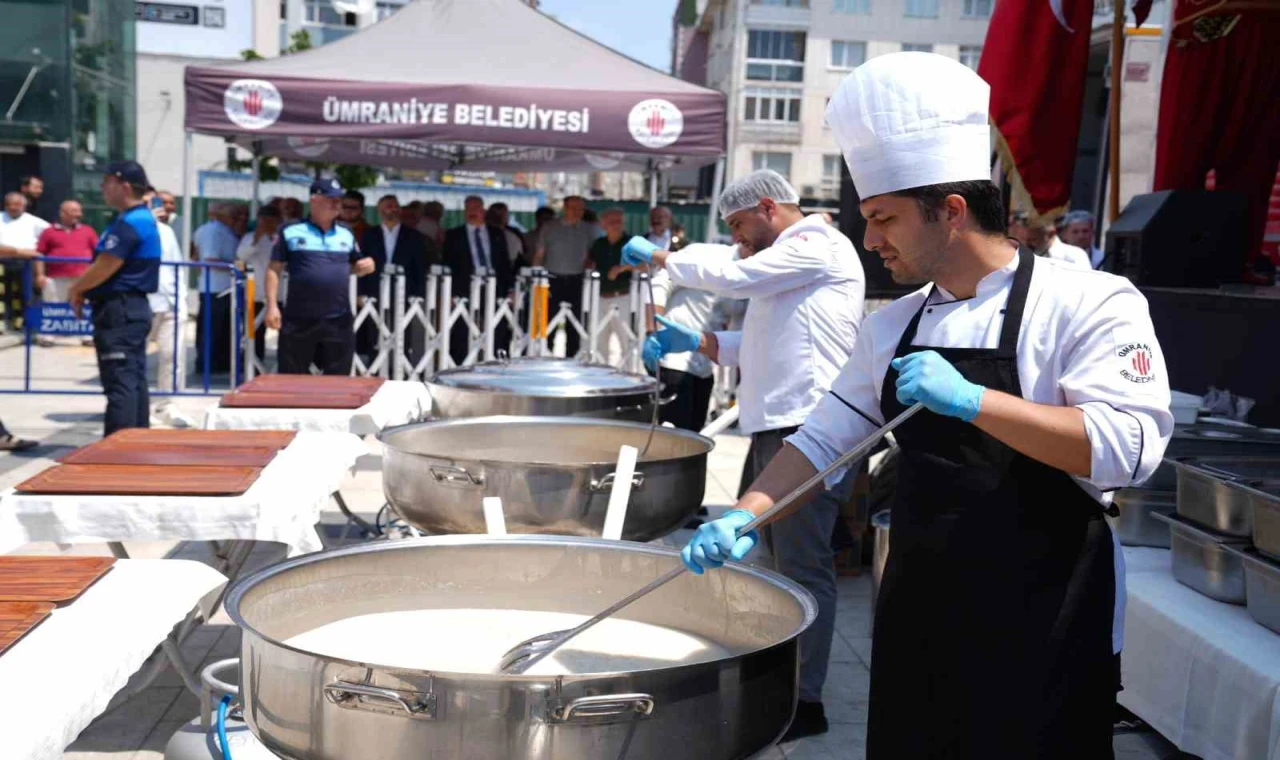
(42, 317)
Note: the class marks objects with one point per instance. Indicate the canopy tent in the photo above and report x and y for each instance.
(451, 84)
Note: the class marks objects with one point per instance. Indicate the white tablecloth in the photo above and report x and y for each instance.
(62, 675)
(1202, 673)
(397, 402)
(283, 505)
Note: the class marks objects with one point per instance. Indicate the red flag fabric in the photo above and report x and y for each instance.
(1035, 59)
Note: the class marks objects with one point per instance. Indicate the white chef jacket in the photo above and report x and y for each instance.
(1086, 341)
(171, 288)
(1071, 255)
(691, 307)
(806, 296)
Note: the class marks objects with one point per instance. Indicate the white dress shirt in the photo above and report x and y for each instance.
(21, 231)
(1071, 255)
(172, 285)
(389, 237)
(480, 259)
(806, 294)
(257, 253)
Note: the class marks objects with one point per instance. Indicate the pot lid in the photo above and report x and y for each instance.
(546, 377)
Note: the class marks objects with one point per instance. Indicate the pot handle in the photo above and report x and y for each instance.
(603, 706)
(456, 476)
(606, 483)
(358, 696)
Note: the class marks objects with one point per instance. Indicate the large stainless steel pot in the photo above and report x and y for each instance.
(306, 706)
(553, 474)
(542, 387)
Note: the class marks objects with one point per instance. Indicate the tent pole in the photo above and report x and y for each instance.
(187, 203)
(653, 185)
(1113, 110)
(713, 208)
(256, 168)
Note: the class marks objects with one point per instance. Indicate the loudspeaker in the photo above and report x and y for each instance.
(1180, 239)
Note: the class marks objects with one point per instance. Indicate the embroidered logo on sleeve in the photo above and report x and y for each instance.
(1138, 365)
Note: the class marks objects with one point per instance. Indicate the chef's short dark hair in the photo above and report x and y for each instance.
(982, 197)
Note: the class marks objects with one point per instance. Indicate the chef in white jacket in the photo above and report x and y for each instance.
(806, 288)
(998, 624)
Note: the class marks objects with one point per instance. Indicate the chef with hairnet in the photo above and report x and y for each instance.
(998, 625)
(805, 286)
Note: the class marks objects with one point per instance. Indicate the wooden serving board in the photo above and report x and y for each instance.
(282, 400)
(275, 439)
(141, 480)
(111, 451)
(18, 618)
(49, 579)
(322, 384)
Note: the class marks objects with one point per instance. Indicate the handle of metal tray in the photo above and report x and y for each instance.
(357, 696)
(603, 706)
(606, 483)
(456, 476)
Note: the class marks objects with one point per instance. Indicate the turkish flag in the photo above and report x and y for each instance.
(1035, 58)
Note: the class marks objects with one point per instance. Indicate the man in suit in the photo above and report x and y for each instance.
(393, 242)
(471, 246)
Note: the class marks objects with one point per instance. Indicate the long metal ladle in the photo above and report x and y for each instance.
(529, 652)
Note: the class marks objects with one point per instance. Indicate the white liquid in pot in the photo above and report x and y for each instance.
(474, 641)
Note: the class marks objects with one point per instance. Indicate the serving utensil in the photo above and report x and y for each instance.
(533, 650)
(620, 494)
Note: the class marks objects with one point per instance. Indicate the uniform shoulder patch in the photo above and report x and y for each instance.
(1137, 362)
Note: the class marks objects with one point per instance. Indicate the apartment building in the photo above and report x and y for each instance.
(779, 61)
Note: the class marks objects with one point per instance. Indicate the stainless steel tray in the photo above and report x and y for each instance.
(1262, 578)
(1264, 500)
(1134, 525)
(1203, 560)
(1207, 440)
(1204, 496)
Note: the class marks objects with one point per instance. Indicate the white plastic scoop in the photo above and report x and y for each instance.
(620, 494)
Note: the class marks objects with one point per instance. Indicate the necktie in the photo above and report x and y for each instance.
(480, 254)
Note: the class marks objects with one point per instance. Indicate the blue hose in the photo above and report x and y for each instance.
(224, 746)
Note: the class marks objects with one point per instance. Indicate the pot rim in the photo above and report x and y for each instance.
(641, 385)
(641, 428)
(242, 586)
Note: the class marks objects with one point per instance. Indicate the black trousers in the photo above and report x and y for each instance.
(218, 335)
(120, 328)
(260, 334)
(328, 343)
(567, 288)
(688, 410)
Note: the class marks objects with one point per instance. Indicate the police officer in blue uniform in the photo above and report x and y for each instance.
(125, 268)
(320, 255)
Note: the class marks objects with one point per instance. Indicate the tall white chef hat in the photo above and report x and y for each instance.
(748, 191)
(909, 120)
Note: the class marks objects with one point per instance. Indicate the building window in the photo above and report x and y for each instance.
(922, 8)
(779, 162)
(321, 12)
(970, 55)
(775, 56)
(385, 10)
(778, 106)
(853, 6)
(787, 3)
(977, 8)
(847, 55)
(831, 170)
(909, 47)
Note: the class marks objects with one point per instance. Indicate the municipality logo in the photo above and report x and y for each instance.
(655, 123)
(252, 103)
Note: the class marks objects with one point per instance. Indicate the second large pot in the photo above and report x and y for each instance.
(553, 474)
(542, 386)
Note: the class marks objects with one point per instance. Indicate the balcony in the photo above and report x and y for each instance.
(779, 14)
(770, 132)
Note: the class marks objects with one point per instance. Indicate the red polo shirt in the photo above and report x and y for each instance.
(77, 242)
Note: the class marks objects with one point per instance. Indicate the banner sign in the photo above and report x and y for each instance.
(58, 319)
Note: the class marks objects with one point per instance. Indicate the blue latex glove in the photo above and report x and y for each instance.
(674, 339)
(716, 542)
(652, 352)
(928, 378)
(638, 252)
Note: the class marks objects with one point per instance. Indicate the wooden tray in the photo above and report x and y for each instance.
(275, 439)
(49, 579)
(282, 400)
(141, 480)
(112, 451)
(322, 384)
(18, 618)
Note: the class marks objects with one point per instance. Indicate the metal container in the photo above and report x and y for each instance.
(879, 553)
(1209, 440)
(1134, 525)
(1262, 578)
(553, 474)
(542, 387)
(305, 706)
(1264, 498)
(1203, 560)
(1205, 495)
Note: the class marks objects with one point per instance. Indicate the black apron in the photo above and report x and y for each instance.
(992, 634)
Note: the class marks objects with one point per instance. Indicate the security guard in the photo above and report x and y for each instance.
(320, 255)
(998, 623)
(125, 268)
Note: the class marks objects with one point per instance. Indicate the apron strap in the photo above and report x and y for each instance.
(909, 334)
(1016, 305)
